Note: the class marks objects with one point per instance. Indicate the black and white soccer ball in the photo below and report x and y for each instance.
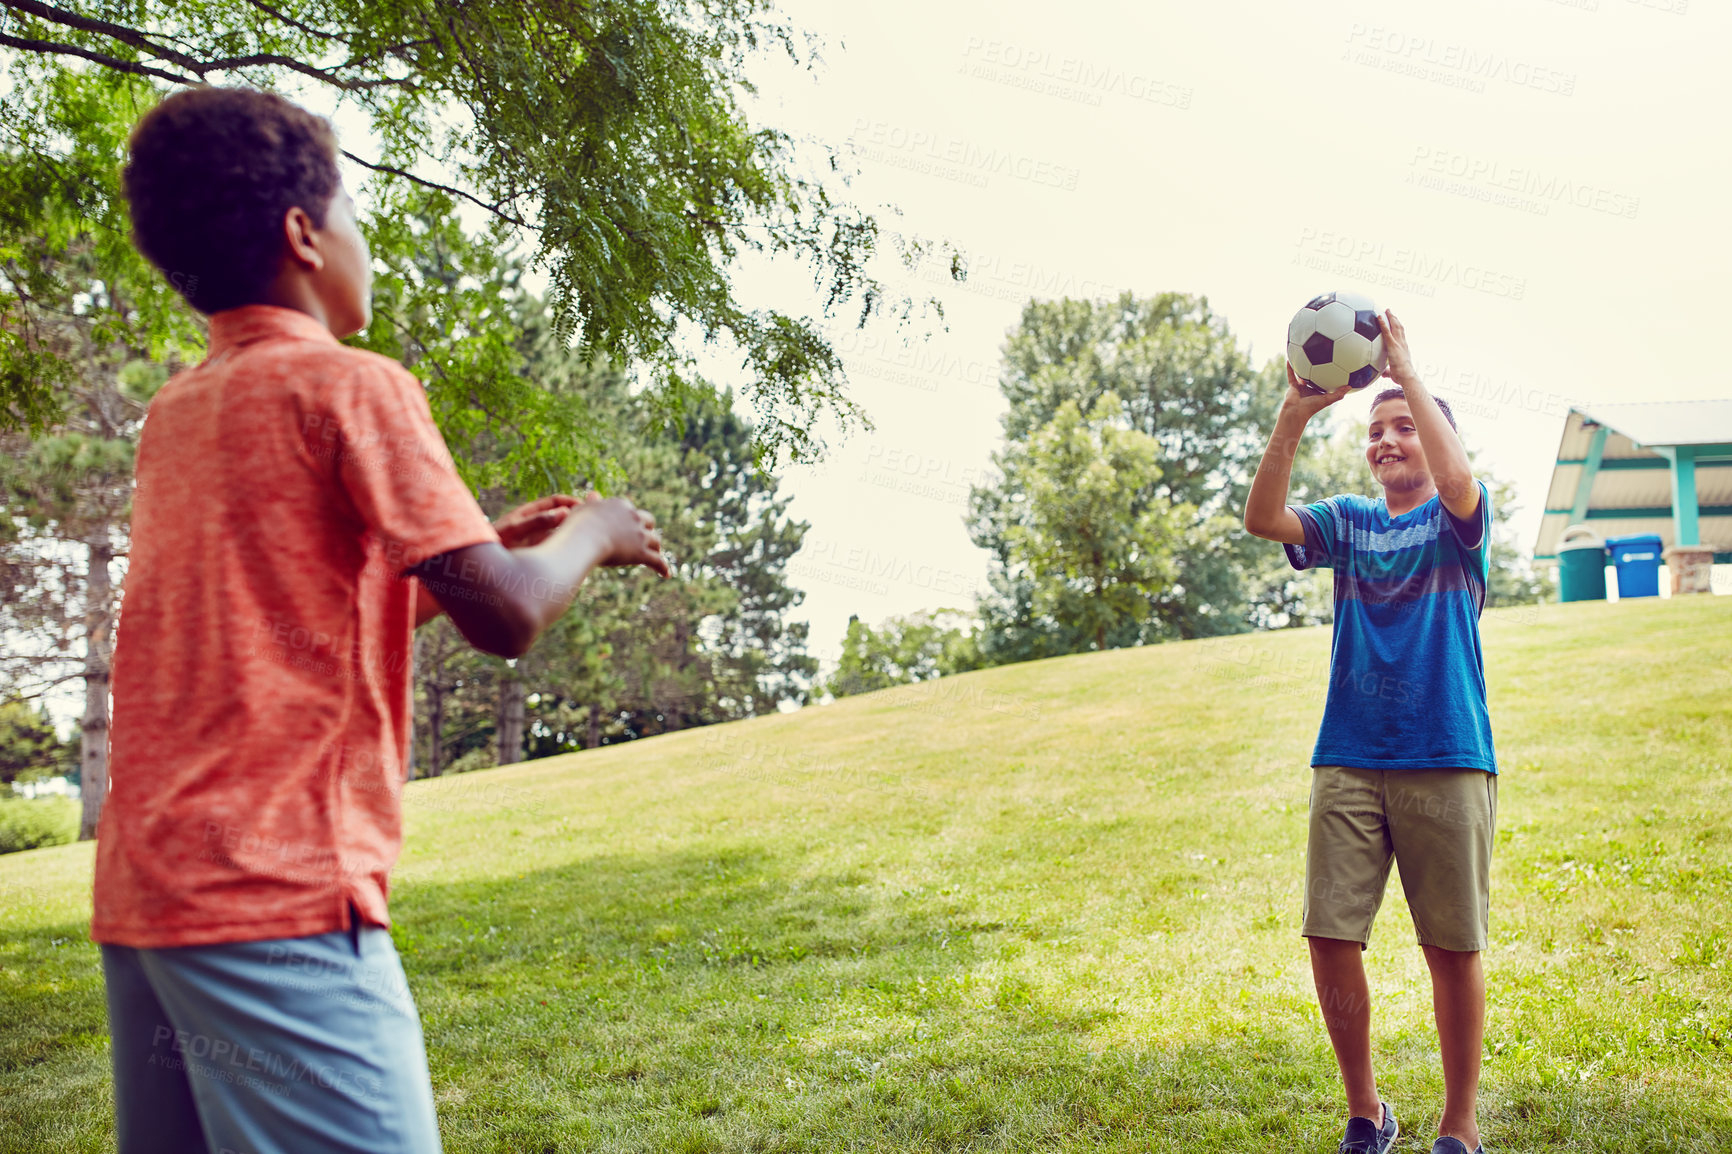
(1334, 340)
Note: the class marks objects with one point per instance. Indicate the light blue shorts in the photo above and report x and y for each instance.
(303, 1045)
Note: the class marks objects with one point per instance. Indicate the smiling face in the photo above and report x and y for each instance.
(1396, 456)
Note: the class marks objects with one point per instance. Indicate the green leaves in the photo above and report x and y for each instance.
(903, 650)
(29, 746)
(451, 309)
(1089, 528)
(608, 138)
(70, 280)
(1129, 540)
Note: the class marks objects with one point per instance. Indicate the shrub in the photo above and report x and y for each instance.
(29, 823)
(482, 757)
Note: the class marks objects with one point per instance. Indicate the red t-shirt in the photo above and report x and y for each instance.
(262, 659)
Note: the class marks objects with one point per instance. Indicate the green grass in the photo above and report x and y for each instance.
(1051, 906)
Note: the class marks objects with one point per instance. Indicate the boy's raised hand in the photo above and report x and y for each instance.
(1304, 401)
(1400, 369)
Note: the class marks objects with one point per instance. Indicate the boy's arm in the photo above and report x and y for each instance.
(1267, 514)
(524, 526)
(502, 599)
(1444, 452)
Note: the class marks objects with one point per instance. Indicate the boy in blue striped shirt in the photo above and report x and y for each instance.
(1404, 769)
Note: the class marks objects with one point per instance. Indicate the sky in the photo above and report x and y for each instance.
(1536, 187)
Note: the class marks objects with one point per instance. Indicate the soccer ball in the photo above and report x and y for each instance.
(1334, 340)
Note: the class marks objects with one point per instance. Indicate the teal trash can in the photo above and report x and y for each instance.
(1581, 565)
(1636, 560)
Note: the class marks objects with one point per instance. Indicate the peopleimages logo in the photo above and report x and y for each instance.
(236, 847)
(937, 470)
(1344, 254)
(953, 158)
(916, 365)
(1455, 65)
(1070, 78)
(226, 1060)
(1544, 188)
(1494, 393)
(836, 561)
(1012, 278)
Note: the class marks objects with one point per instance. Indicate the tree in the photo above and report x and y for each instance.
(609, 137)
(1184, 381)
(72, 283)
(639, 656)
(30, 748)
(68, 495)
(635, 655)
(445, 666)
(759, 658)
(72, 490)
(903, 650)
(452, 308)
(1086, 525)
(88, 331)
(100, 331)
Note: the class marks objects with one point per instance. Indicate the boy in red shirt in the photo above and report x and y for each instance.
(297, 516)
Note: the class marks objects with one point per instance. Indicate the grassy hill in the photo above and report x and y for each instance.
(1050, 906)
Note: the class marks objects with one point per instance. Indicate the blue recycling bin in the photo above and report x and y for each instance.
(1636, 559)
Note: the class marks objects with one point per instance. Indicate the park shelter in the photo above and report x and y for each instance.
(1662, 467)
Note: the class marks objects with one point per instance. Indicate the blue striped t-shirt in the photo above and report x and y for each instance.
(1407, 677)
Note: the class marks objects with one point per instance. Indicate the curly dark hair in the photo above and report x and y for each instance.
(210, 175)
(1393, 394)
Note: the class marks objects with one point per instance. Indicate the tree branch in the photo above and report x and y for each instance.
(118, 32)
(46, 684)
(289, 20)
(289, 62)
(495, 209)
(396, 50)
(52, 48)
(198, 67)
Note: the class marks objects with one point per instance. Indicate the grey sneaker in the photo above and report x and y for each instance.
(1365, 1137)
(1454, 1146)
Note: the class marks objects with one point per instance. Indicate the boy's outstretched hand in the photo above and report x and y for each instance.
(629, 534)
(1306, 402)
(530, 524)
(502, 596)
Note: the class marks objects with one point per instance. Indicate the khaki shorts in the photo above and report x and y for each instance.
(1436, 824)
